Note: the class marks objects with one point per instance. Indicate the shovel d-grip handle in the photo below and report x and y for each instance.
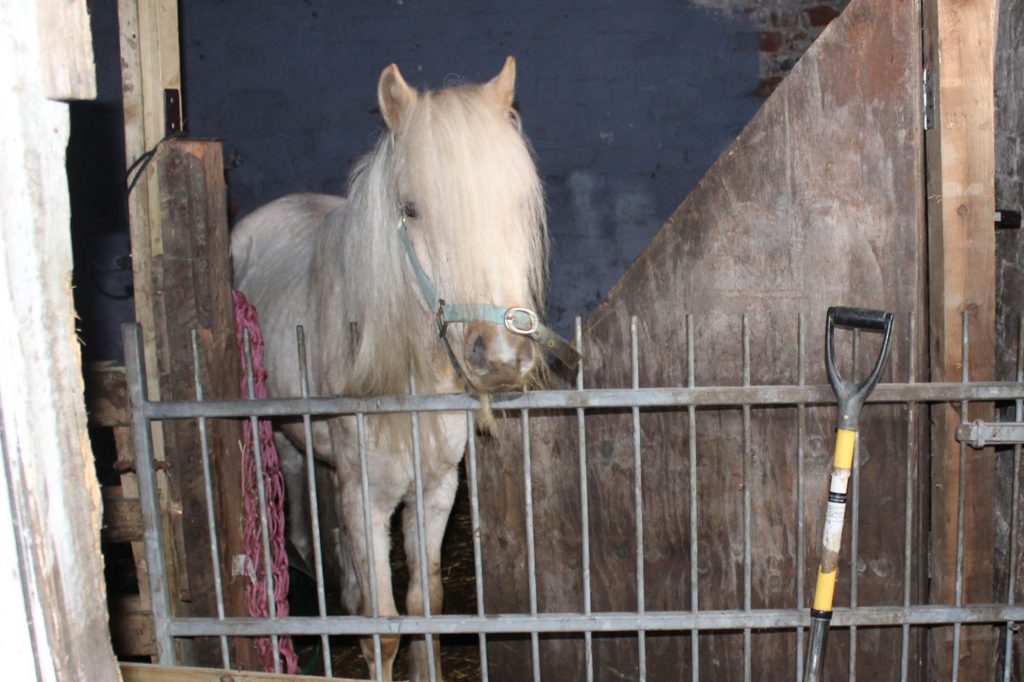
(851, 396)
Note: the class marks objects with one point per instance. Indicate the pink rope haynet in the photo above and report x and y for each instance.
(246, 318)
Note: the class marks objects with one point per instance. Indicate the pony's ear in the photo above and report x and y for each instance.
(394, 96)
(503, 86)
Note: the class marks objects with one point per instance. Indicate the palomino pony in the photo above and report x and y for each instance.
(447, 207)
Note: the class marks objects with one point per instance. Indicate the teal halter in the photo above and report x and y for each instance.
(521, 321)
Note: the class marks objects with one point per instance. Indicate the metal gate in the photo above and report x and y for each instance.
(688, 401)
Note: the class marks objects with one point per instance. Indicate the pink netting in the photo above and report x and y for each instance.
(246, 318)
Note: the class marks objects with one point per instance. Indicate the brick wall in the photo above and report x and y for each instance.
(785, 29)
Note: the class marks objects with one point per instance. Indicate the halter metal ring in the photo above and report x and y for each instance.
(512, 315)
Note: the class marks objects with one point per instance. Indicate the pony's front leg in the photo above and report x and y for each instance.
(438, 499)
(379, 564)
(293, 468)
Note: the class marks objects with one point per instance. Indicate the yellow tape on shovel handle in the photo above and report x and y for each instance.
(832, 531)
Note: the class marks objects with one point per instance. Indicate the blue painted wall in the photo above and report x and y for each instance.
(627, 104)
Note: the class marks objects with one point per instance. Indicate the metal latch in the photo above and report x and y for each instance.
(980, 434)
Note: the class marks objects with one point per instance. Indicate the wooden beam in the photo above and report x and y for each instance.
(144, 73)
(131, 628)
(960, 39)
(140, 672)
(150, 64)
(107, 396)
(192, 290)
(52, 592)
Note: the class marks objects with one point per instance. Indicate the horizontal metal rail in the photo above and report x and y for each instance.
(770, 619)
(604, 398)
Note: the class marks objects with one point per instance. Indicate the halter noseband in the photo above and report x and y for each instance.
(521, 321)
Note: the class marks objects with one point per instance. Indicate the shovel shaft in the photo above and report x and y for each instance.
(831, 539)
(816, 648)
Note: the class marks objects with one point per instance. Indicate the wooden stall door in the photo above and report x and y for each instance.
(818, 202)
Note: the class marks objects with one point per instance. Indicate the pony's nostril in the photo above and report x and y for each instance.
(478, 354)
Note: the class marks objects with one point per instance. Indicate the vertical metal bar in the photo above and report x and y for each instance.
(257, 451)
(961, 490)
(1011, 584)
(746, 501)
(531, 549)
(588, 638)
(638, 503)
(691, 413)
(318, 560)
(801, 425)
(152, 534)
(474, 512)
(854, 525)
(364, 484)
(211, 517)
(421, 530)
(908, 503)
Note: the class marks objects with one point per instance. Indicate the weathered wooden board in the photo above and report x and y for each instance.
(818, 202)
(192, 290)
(140, 672)
(52, 592)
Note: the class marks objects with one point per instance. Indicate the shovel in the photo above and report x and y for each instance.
(851, 398)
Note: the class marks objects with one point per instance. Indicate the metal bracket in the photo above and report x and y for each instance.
(980, 434)
(172, 112)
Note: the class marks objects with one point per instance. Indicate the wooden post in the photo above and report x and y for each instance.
(960, 38)
(180, 257)
(150, 64)
(192, 290)
(52, 592)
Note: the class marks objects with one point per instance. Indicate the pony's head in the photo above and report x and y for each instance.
(466, 191)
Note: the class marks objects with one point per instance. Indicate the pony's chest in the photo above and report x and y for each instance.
(453, 434)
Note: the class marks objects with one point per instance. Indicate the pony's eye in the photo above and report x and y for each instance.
(410, 210)
(513, 116)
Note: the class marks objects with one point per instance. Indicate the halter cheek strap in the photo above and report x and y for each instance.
(521, 321)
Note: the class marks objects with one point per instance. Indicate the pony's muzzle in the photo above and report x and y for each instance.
(496, 359)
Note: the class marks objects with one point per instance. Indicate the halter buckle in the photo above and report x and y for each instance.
(514, 315)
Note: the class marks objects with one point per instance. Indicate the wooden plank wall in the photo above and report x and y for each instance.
(818, 202)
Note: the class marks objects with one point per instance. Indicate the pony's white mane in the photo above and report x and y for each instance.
(481, 232)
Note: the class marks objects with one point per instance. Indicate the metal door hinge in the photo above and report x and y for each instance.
(980, 434)
(928, 98)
